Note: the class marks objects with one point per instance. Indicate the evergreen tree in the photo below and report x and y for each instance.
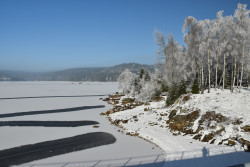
(142, 72)
(147, 77)
(172, 94)
(182, 88)
(195, 87)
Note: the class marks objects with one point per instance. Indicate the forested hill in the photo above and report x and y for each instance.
(76, 74)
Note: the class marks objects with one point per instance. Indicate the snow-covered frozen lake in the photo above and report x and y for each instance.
(18, 97)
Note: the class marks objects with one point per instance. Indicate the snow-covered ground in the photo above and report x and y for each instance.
(183, 150)
(126, 151)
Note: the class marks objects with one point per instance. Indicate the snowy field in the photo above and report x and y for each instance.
(181, 150)
(19, 97)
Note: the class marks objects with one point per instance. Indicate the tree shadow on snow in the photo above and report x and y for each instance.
(48, 123)
(32, 152)
(42, 97)
(50, 111)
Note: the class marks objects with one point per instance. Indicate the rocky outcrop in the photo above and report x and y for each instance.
(207, 127)
(120, 103)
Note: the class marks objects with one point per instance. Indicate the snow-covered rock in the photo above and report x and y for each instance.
(219, 119)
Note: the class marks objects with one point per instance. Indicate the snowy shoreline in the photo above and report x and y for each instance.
(150, 122)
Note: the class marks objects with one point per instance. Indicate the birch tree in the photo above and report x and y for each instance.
(241, 15)
(192, 30)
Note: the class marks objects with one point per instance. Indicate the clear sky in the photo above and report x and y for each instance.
(47, 35)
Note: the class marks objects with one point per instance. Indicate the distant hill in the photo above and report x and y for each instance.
(76, 74)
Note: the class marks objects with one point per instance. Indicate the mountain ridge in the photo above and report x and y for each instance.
(75, 74)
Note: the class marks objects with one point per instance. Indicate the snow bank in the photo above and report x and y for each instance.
(150, 123)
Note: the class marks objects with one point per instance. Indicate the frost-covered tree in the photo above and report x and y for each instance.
(127, 82)
(143, 87)
(192, 30)
(242, 20)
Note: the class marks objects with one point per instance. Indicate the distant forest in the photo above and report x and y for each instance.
(102, 74)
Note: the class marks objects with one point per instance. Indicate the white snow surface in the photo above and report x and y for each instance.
(182, 150)
(126, 151)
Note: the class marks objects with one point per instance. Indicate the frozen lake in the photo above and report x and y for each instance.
(77, 101)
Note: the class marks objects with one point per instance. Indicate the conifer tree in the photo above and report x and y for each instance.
(195, 87)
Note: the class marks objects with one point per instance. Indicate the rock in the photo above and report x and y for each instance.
(172, 114)
(124, 121)
(186, 98)
(245, 144)
(128, 133)
(237, 122)
(193, 115)
(132, 134)
(106, 99)
(95, 126)
(212, 141)
(197, 137)
(165, 114)
(212, 116)
(246, 128)
(127, 101)
(221, 130)
(182, 123)
(111, 111)
(208, 137)
(231, 143)
(115, 96)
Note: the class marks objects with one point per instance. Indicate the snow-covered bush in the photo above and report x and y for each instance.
(127, 81)
(144, 87)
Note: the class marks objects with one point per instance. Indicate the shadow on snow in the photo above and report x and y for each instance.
(32, 152)
(234, 159)
(50, 111)
(41, 97)
(48, 123)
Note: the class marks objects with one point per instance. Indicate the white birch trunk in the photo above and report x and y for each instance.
(235, 70)
(202, 80)
(232, 76)
(224, 71)
(242, 63)
(237, 76)
(216, 70)
(208, 64)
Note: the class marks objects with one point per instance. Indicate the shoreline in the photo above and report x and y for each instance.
(151, 123)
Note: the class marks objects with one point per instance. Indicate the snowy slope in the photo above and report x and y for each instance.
(149, 122)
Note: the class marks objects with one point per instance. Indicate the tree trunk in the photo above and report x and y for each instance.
(220, 81)
(224, 70)
(202, 80)
(199, 80)
(232, 75)
(247, 78)
(242, 63)
(237, 75)
(216, 70)
(235, 70)
(205, 83)
(208, 64)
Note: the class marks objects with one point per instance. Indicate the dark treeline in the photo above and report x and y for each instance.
(102, 74)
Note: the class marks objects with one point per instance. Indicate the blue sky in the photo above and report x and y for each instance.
(47, 35)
